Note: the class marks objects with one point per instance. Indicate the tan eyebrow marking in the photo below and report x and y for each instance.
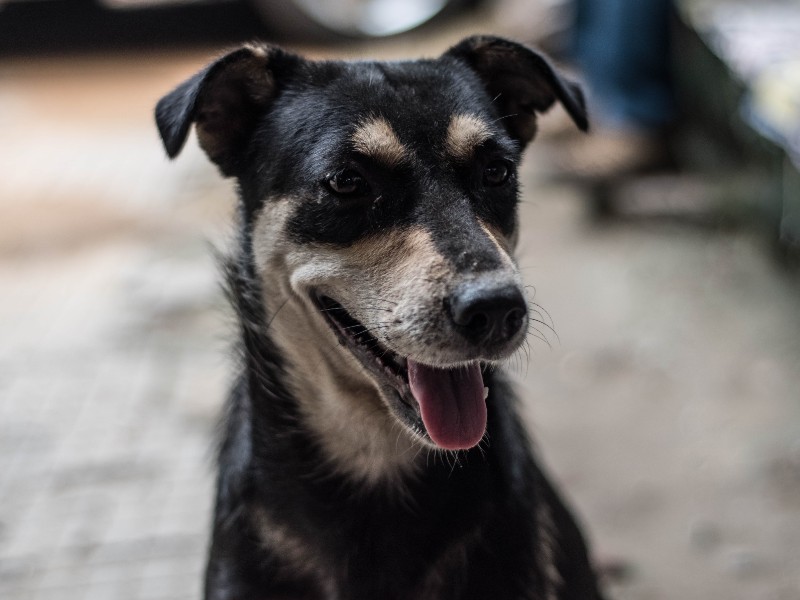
(464, 134)
(376, 139)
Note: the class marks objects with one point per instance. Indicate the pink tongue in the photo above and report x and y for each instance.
(451, 402)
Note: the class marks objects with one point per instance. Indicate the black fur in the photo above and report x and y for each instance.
(486, 526)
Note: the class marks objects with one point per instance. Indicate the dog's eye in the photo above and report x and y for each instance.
(347, 183)
(496, 172)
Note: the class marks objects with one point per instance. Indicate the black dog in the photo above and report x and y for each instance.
(372, 450)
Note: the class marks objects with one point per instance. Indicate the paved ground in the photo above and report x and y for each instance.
(668, 405)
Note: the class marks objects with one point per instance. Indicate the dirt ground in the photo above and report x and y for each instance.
(666, 400)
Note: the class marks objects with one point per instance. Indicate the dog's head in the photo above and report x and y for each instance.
(380, 200)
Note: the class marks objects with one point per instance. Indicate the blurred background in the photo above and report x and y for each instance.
(664, 394)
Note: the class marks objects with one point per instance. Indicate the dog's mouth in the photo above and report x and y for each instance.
(447, 404)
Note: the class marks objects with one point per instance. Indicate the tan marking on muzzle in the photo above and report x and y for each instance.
(376, 139)
(499, 240)
(464, 134)
(402, 263)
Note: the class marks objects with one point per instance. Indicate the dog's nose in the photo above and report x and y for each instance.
(488, 313)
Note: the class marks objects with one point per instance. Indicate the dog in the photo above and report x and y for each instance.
(371, 448)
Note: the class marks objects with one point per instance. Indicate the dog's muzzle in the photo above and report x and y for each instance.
(486, 318)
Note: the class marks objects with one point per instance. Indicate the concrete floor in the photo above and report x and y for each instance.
(668, 405)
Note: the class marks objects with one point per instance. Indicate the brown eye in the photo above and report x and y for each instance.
(496, 173)
(347, 183)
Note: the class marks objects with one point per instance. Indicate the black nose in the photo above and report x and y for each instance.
(488, 313)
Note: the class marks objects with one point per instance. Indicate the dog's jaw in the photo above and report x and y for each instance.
(444, 406)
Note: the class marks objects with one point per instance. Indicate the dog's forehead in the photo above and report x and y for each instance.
(422, 92)
(385, 109)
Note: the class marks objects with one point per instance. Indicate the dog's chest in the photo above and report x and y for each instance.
(389, 545)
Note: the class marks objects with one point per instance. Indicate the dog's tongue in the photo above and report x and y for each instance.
(451, 402)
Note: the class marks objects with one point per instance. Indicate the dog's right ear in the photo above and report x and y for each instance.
(224, 101)
(521, 83)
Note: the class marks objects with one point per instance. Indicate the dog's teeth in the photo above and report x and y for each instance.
(485, 392)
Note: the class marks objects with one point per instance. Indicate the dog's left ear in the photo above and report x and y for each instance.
(224, 101)
(521, 82)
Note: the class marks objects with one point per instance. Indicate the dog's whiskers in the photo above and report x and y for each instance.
(505, 117)
(549, 326)
(269, 323)
(533, 332)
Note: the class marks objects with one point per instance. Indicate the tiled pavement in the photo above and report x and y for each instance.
(112, 364)
(105, 424)
(668, 407)
(103, 450)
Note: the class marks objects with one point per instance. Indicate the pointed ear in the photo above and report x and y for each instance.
(521, 82)
(224, 101)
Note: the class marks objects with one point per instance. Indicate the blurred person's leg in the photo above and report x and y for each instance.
(622, 48)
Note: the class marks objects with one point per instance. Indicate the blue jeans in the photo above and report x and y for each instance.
(622, 47)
